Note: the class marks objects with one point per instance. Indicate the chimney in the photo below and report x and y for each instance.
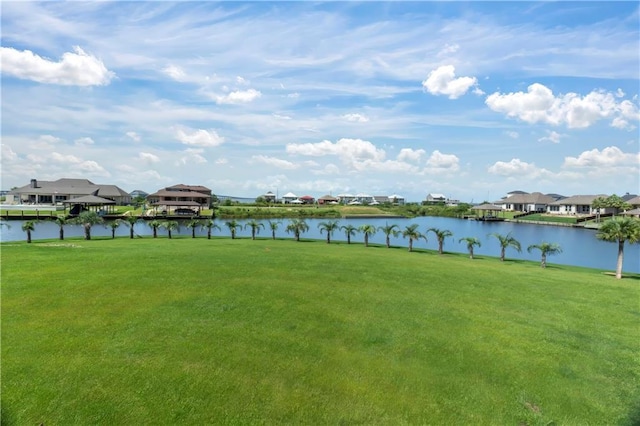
(34, 183)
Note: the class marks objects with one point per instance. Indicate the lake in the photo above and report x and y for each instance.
(580, 246)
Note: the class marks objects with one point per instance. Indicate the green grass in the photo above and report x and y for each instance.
(221, 331)
(541, 217)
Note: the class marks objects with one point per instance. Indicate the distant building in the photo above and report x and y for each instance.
(138, 193)
(436, 198)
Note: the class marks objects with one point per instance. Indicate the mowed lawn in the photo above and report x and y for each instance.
(221, 331)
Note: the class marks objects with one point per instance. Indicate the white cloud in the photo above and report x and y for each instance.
(241, 81)
(175, 72)
(540, 105)
(192, 155)
(281, 117)
(74, 69)
(408, 154)
(66, 159)
(199, 137)
(84, 141)
(448, 49)
(438, 160)
(88, 166)
(134, 136)
(348, 150)
(329, 170)
(512, 134)
(552, 136)
(443, 81)
(221, 161)
(359, 118)
(148, 157)
(610, 156)
(515, 167)
(238, 97)
(7, 153)
(276, 162)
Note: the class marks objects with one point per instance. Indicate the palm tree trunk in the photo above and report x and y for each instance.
(471, 253)
(209, 234)
(440, 244)
(366, 240)
(28, 236)
(502, 254)
(169, 231)
(349, 239)
(61, 233)
(131, 232)
(87, 232)
(410, 244)
(543, 262)
(388, 242)
(155, 233)
(620, 258)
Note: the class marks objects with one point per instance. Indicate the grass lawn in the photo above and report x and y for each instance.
(541, 217)
(221, 331)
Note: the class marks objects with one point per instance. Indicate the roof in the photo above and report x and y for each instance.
(396, 196)
(436, 195)
(89, 199)
(197, 188)
(533, 198)
(486, 206)
(289, 195)
(177, 203)
(577, 200)
(71, 187)
(634, 212)
(307, 197)
(635, 201)
(167, 193)
(328, 198)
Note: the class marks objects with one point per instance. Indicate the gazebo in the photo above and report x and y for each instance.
(488, 212)
(88, 202)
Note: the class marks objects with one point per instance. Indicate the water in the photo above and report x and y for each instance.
(580, 246)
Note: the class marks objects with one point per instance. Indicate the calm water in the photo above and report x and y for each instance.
(580, 247)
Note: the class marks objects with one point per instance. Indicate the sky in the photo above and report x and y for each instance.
(466, 99)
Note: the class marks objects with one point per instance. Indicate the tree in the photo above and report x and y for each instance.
(61, 221)
(367, 230)
(349, 231)
(441, 234)
(170, 225)
(193, 224)
(29, 226)
(233, 227)
(87, 219)
(297, 227)
(131, 221)
(255, 227)
(506, 241)
(114, 224)
(471, 242)
(273, 225)
(546, 249)
(412, 232)
(155, 224)
(389, 230)
(210, 224)
(329, 227)
(620, 230)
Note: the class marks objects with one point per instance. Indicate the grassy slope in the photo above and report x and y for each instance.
(202, 331)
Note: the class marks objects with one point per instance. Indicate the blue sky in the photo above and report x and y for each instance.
(467, 99)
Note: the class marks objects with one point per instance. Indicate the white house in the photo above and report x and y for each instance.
(289, 198)
(436, 198)
(576, 205)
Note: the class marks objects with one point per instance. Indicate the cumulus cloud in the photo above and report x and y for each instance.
(515, 167)
(540, 105)
(88, 166)
(199, 137)
(411, 155)
(84, 141)
(76, 68)
(439, 160)
(443, 81)
(175, 72)
(512, 134)
(148, 157)
(276, 162)
(346, 149)
(611, 156)
(448, 49)
(192, 155)
(8, 154)
(358, 118)
(552, 136)
(238, 97)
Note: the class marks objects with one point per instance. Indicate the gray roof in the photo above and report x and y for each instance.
(635, 201)
(533, 198)
(89, 199)
(181, 194)
(634, 212)
(578, 200)
(486, 206)
(71, 187)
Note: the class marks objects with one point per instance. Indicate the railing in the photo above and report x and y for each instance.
(593, 217)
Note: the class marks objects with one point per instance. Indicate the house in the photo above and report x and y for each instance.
(269, 197)
(577, 205)
(396, 199)
(328, 199)
(345, 198)
(524, 202)
(436, 198)
(61, 190)
(289, 198)
(307, 199)
(181, 196)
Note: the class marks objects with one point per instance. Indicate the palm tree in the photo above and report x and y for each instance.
(330, 227)
(367, 230)
(255, 227)
(297, 226)
(170, 225)
(388, 231)
(29, 226)
(441, 234)
(210, 224)
(193, 224)
(546, 249)
(114, 224)
(131, 221)
(233, 226)
(87, 219)
(155, 224)
(620, 229)
(349, 230)
(61, 221)
(471, 242)
(412, 232)
(273, 225)
(506, 241)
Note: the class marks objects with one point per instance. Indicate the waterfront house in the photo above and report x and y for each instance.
(61, 190)
(289, 198)
(577, 205)
(433, 198)
(523, 202)
(328, 199)
(192, 197)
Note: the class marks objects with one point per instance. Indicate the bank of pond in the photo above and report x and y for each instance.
(580, 247)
